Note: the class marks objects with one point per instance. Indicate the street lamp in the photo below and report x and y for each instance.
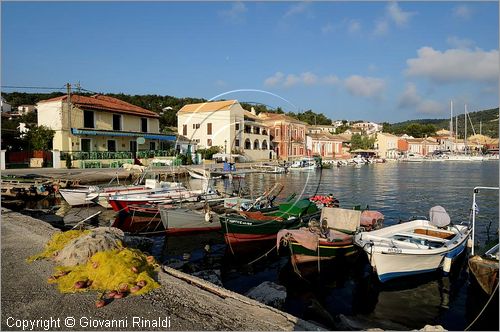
(225, 146)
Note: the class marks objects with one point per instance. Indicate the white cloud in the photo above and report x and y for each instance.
(274, 80)
(327, 28)
(354, 26)
(381, 27)
(220, 83)
(296, 9)
(305, 78)
(291, 80)
(399, 16)
(430, 107)
(369, 87)
(330, 79)
(309, 78)
(235, 13)
(455, 65)
(462, 11)
(410, 99)
(456, 42)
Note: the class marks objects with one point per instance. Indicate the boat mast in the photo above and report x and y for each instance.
(465, 134)
(456, 132)
(451, 117)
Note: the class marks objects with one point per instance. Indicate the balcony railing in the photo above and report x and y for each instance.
(101, 155)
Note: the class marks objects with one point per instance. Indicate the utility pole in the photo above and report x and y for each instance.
(68, 89)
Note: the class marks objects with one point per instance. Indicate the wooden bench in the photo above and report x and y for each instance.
(434, 233)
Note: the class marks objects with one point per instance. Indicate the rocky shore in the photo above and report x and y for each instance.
(182, 302)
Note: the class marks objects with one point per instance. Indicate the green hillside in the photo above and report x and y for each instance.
(486, 121)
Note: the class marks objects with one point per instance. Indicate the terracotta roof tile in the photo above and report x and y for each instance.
(279, 117)
(208, 106)
(105, 103)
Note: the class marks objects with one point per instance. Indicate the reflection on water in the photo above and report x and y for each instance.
(399, 191)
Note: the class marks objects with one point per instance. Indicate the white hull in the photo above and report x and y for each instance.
(75, 197)
(400, 250)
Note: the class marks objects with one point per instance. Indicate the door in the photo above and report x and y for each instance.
(133, 147)
(86, 144)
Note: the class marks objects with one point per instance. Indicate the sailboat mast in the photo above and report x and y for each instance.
(451, 117)
(465, 134)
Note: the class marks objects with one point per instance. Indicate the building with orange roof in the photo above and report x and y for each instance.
(101, 124)
(288, 135)
(227, 125)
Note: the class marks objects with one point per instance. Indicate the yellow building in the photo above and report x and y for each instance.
(101, 124)
(387, 145)
(227, 125)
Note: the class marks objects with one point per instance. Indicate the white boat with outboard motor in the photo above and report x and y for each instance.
(414, 247)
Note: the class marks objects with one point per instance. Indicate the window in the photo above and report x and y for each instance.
(184, 130)
(88, 119)
(277, 131)
(86, 144)
(237, 142)
(196, 126)
(209, 129)
(144, 125)
(117, 122)
(133, 146)
(256, 144)
(237, 126)
(152, 146)
(209, 142)
(248, 145)
(256, 130)
(111, 145)
(264, 145)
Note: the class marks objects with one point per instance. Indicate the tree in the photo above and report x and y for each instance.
(209, 152)
(40, 137)
(362, 142)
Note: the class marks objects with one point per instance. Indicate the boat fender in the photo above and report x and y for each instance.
(447, 264)
(469, 243)
(208, 217)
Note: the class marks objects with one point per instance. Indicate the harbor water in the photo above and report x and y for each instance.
(348, 287)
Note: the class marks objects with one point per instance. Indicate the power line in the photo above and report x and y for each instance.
(30, 87)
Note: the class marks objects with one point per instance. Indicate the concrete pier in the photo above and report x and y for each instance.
(187, 303)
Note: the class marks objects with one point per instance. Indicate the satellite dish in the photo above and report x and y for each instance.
(141, 140)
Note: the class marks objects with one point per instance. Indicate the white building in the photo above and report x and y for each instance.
(227, 125)
(5, 105)
(25, 109)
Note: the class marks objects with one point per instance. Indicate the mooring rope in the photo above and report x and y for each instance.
(484, 308)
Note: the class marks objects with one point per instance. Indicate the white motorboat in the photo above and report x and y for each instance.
(413, 157)
(79, 196)
(414, 247)
(183, 220)
(201, 174)
(304, 164)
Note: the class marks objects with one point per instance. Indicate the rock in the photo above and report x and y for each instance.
(79, 250)
(138, 242)
(212, 276)
(433, 328)
(268, 293)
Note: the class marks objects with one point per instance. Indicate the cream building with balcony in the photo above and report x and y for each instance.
(227, 125)
(101, 124)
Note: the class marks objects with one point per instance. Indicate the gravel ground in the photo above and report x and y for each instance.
(27, 297)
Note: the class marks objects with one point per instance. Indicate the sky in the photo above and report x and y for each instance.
(375, 61)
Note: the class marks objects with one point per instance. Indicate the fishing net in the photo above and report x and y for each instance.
(57, 243)
(96, 260)
(119, 269)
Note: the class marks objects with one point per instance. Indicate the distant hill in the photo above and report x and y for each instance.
(487, 118)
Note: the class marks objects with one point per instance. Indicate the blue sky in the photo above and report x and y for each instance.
(378, 61)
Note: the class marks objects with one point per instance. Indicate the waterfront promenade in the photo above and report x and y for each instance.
(26, 295)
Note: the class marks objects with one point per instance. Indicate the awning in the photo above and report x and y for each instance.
(161, 137)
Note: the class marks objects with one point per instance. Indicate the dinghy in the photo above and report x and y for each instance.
(414, 247)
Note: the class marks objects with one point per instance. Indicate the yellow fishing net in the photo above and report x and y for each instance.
(109, 270)
(57, 243)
